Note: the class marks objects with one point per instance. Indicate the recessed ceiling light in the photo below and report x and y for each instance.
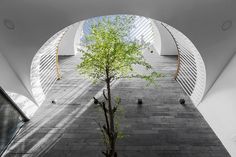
(226, 25)
(9, 24)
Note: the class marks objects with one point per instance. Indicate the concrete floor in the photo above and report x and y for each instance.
(161, 127)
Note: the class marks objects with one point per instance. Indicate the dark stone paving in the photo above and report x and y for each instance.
(161, 127)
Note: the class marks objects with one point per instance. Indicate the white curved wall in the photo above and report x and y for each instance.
(79, 33)
(9, 80)
(66, 45)
(156, 38)
(219, 107)
(164, 43)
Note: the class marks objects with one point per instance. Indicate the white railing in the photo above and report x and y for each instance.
(45, 68)
(191, 72)
(143, 30)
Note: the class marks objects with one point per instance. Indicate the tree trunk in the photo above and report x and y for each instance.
(112, 136)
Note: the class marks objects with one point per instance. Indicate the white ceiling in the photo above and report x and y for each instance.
(37, 20)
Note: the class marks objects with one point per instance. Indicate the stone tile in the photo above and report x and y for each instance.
(160, 127)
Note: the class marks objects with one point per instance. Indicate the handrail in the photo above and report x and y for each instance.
(178, 59)
(57, 56)
(190, 73)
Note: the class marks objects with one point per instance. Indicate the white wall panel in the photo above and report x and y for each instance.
(66, 46)
(219, 107)
(164, 42)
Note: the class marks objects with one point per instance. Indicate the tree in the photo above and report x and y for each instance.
(109, 54)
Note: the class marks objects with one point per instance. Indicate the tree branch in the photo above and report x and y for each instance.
(104, 94)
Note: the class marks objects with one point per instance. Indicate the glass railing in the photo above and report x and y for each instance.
(11, 120)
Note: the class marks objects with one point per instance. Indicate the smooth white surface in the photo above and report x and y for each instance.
(167, 45)
(66, 45)
(78, 35)
(219, 107)
(9, 81)
(156, 37)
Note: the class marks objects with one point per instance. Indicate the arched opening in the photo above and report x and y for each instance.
(161, 116)
(26, 26)
(164, 39)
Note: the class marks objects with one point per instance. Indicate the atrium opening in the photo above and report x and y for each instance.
(58, 115)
